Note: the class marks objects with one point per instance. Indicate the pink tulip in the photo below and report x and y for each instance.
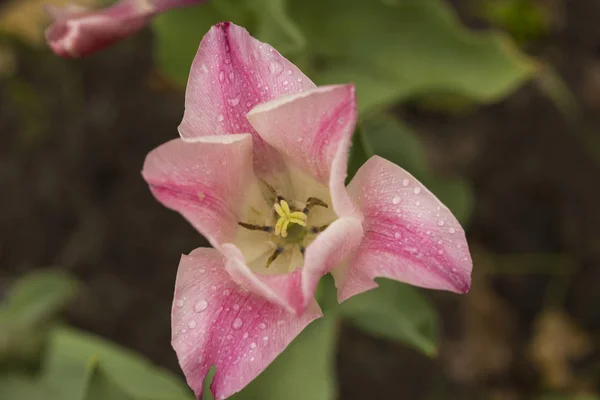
(77, 31)
(259, 170)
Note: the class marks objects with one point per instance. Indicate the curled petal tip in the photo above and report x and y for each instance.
(77, 32)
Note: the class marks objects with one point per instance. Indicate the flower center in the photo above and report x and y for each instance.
(289, 227)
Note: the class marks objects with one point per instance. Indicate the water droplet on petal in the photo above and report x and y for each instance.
(201, 306)
(179, 303)
(299, 79)
(237, 323)
(405, 182)
(227, 61)
(417, 190)
(220, 118)
(441, 222)
(275, 67)
(451, 230)
(397, 235)
(245, 335)
(252, 345)
(396, 200)
(226, 292)
(262, 326)
(221, 76)
(234, 101)
(192, 324)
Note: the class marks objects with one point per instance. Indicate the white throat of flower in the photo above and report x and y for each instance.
(290, 227)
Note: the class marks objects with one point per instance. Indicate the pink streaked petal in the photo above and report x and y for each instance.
(77, 31)
(410, 236)
(283, 290)
(233, 72)
(313, 130)
(215, 322)
(333, 246)
(206, 180)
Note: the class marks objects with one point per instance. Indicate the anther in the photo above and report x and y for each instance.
(318, 229)
(272, 191)
(273, 256)
(313, 201)
(253, 227)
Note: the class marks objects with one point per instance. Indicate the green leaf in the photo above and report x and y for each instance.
(387, 137)
(395, 50)
(21, 387)
(305, 370)
(28, 310)
(100, 387)
(38, 297)
(72, 355)
(395, 311)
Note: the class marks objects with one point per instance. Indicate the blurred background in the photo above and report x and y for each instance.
(493, 104)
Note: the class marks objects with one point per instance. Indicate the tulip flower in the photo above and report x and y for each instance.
(77, 31)
(259, 170)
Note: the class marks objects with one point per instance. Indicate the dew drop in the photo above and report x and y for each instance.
(204, 69)
(192, 324)
(252, 345)
(451, 230)
(397, 235)
(440, 252)
(275, 67)
(201, 306)
(234, 101)
(220, 118)
(184, 330)
(289, 72)
(221, 76)
(237, 324)
(251, 358)
(396, 200)
(418, 203)
(440, 241)
(227, 61)
(262, 326)
(299, 79)
(441, 222)
(245, 335)
(265, 338)
(226, 292)
(417, 190)
(405, 182)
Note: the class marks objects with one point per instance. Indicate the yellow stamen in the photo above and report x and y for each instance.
(286, 217)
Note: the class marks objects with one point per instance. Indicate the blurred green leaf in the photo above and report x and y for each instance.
(21, 387)
(100, 387)
(387, 137)
(38, 296)
(525, 20)
(394, 50)
(395, 311)
(29, 308)
(72, 355)
(305, 370)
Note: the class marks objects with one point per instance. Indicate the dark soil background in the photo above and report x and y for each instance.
(74, 134)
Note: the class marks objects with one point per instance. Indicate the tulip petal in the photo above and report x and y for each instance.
(215, 322)
(313, 130)
(77, 31)
(207, 180)
(231, 73)
(410, 236)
